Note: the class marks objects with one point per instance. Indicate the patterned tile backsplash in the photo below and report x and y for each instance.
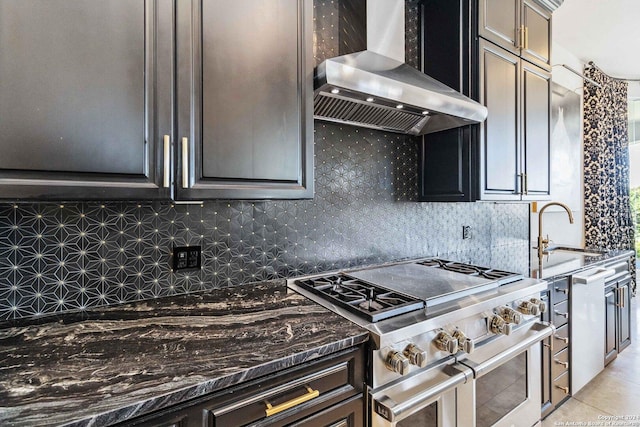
(55, 258)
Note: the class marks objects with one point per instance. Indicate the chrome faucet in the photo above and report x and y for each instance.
(543, 243)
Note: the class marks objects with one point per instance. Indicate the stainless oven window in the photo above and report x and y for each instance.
(501, 391)
(425, 417)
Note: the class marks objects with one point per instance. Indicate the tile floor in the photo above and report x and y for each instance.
(615, 392)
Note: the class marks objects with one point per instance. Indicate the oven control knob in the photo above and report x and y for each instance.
(498, 326)
(445, 342)
(416, 355)
(397, 362)
(510, 315)
(528, 307)
(542, 306)
(465, 344)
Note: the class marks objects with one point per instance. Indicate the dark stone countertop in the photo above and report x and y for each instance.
(559, 263)
(112, 364)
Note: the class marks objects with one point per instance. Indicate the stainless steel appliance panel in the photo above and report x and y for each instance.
(433, 285)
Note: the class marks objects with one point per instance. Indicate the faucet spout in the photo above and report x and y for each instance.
(542, 242)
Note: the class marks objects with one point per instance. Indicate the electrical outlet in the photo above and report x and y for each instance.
(187, 258)
(466, 232)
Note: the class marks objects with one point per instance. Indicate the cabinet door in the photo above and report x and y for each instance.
(610, 323)
(536, 46)
(445, 166)
(499, 22)
(77, 94)
(536, 96)
(245, 112)
(500, 133)
(624, 314)
(446, 170)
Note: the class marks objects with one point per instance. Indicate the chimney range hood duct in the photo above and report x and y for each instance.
(376, 89)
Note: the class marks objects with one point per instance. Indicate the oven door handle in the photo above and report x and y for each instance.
(535, 334)
(396, 405)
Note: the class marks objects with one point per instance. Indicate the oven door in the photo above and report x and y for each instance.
(506, 385)
(427, 398)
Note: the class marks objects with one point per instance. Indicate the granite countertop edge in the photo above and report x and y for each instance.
(212, 385)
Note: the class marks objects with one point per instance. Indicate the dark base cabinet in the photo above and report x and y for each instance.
(324, 392)
(556, 349)
(617, 300)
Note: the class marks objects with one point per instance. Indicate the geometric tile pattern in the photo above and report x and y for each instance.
(55, 258)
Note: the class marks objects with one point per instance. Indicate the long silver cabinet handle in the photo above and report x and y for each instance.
(185, 162)
(591, 276)
(166, 178)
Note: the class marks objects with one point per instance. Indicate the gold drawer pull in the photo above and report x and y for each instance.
(565, 389)
(311, 394)
(559, 362)
(563, 339)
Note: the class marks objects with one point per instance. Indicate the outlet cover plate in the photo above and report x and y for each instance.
(187, 258)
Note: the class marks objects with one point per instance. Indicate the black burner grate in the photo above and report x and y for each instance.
(367, 300)
(503, 277)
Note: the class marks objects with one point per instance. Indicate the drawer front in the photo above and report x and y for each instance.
(560, 290)
(560, 315)
(560, 363)
(561, 338)
(294, 393)
(560, 389)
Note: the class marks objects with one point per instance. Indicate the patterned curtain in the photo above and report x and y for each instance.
(607, 211)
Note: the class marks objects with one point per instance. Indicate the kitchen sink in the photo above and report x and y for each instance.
(577, 251)
(562, 259)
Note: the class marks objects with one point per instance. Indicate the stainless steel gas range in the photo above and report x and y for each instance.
(451, 344)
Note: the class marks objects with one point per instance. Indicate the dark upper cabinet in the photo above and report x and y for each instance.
(507, 156)
(536, 131)
(80, 81)
(499, 22)
(156, 99)
(245, 108)
(520, 26)
(500, 133)
(536, 21)
(446, 158)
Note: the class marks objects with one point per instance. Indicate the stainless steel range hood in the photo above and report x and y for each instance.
(376, 89)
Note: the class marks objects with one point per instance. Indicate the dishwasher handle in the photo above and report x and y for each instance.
(590, 276)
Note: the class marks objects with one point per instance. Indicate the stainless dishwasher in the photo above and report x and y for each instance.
(587, 325)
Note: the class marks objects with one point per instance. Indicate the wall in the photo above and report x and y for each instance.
(55, 258)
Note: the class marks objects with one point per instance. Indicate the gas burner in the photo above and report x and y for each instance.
(370, 301)
(503, 277)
